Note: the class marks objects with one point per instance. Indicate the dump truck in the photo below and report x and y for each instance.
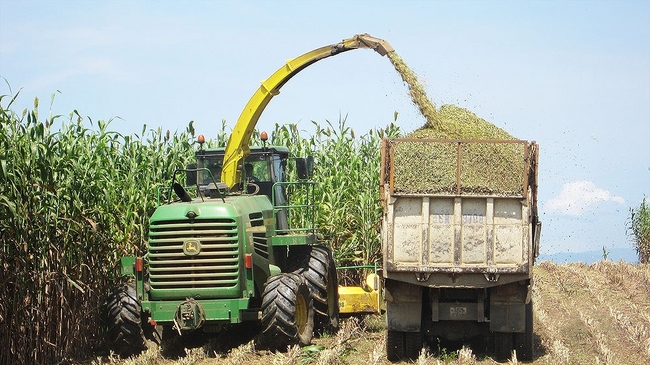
(224, 247)
(460, 234)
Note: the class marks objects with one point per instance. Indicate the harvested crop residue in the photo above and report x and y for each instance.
(583, 314)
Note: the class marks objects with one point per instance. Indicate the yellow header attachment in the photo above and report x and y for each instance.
(237, 148)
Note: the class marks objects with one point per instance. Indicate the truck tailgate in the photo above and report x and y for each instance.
(457, 234)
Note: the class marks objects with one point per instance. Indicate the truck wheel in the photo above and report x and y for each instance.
(524, 341)
(125, 322)
(412, 345)
(317, 266)
(403, 345)
(287, 312)
(394, 345)
(503, 345)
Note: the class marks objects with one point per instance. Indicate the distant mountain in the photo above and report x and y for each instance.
(589, 257)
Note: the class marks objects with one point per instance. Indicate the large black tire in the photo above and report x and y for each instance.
(412, 345)
(287, 312)
(403, 345)
(524, 341)
(394, 345)
(503, 343)
(316, 264)
(126, 337)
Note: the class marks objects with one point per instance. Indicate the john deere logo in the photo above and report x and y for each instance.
(191, 247)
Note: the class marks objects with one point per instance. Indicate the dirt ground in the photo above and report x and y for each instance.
(583, 314)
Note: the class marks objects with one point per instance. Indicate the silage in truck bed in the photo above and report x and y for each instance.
(451, 167)
(475, 158)
(455, 122)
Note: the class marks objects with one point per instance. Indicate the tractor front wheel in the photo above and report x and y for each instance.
(316, 264)
(287, 312)
(125, 322)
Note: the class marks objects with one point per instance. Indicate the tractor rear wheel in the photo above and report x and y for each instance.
(125, 322)
(287, 312)
(316, 264)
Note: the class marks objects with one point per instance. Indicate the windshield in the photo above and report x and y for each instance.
(212, 163)
(256, 168)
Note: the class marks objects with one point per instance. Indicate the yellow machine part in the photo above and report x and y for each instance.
(237, 148)
(362, 300)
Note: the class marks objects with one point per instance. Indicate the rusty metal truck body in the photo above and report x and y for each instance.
(460, 234)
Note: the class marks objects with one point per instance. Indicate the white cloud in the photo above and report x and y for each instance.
(578, 196)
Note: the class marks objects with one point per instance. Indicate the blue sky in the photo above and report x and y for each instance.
(572, 75)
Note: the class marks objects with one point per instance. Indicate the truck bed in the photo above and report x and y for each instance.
(457, 234)
(441, 218)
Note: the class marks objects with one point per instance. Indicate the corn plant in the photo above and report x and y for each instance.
(74, 198)
(347, 190)
(638, 227)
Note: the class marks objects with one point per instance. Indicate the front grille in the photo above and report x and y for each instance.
(215, 266)
(260, 241)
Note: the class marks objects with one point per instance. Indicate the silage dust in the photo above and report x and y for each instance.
(416, 90)
(450, 121)
(431, 168)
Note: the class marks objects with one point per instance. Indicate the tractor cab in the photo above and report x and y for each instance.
(264, 172)
(264, 167)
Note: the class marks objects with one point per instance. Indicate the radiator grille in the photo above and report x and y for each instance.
(216, 265)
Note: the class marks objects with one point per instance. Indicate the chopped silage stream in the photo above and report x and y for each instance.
(431, 167)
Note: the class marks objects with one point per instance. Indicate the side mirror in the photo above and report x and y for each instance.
(182, 194)
(305, 167)
(191, 175)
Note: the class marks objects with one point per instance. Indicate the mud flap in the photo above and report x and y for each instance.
(403, 306)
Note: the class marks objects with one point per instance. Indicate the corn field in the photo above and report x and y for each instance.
(74, 199)
(347, 193)
(76, 196)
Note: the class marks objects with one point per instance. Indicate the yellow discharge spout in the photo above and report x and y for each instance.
(237, 148)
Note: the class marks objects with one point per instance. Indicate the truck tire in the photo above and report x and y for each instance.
(287, 312)
(403, 345)
(412, 345)
(126, 337)
(316, 264)
(503, 345)
(394, 345)
(524, 341)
